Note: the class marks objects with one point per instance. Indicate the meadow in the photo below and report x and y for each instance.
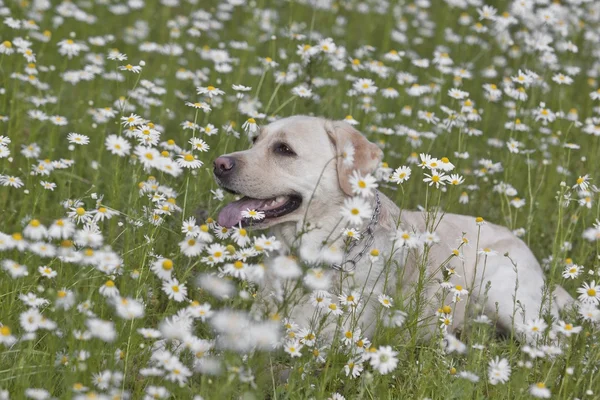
(117, 283)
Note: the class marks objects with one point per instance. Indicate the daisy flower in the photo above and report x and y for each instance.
(384, 359)
(250, 126)
(163, 268)
(540, 391)
(356, 209)
(385, 300)
(293, 348)
(217, 252)
(498, 371)
(80, 215)
(400, 175)
(238, 269)
(199, 144)
(351, 233)
(47, 272)
(35, 230)
(13, 181)
(6, 338)
(109, 289)
(353, 367)
(302, 91)
(436, 178)
(253, 214)
(572, 271)
(458, 94)
(365, 86)
(582, 183)
(136, 69)
(455, 179)
(175, 290)
(241, 88)
(210, 91)
(117, 145)
(210, 130)
(188, 161)
(76, 138)
(350, 120)
(568, 329)
(333, 309)
(589, 293)
(199, 105)
(48, 185)
(363, 185)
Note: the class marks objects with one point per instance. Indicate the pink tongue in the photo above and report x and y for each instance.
(231, 214)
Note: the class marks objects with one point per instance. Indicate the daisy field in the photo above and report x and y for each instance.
(117, 282)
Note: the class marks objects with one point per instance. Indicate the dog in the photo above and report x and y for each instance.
(297, 173)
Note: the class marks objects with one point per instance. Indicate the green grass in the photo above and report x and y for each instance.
(98, 177)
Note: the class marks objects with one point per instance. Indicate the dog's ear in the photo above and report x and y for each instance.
(354, 152)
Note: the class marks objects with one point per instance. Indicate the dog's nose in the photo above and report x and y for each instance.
(223, 165)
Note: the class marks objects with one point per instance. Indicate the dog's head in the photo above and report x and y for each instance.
(296, 166)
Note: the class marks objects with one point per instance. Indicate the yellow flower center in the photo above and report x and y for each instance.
(188, 157)
(479, 220)
(374, 252)
(355, 211)
(35, 223)
(459, 287)
(5, 331)
(167, 265)
(80, 211)
(362, 184)
(238, 265)
(109, 283)
(62, 294)
(175, 288)
(591, 292)
(217, 254)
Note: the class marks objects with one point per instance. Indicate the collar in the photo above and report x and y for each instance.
(367, 237)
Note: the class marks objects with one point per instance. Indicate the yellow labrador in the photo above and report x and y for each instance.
(297, 173)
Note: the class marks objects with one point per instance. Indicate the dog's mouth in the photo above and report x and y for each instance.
(234, 213)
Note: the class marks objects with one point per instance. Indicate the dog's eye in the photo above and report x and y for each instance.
(283, 149)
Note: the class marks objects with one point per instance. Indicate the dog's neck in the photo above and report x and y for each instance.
(308, 237)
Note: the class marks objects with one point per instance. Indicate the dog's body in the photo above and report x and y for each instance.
(298, 172)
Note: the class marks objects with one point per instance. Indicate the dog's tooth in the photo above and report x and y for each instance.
(279, 199)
